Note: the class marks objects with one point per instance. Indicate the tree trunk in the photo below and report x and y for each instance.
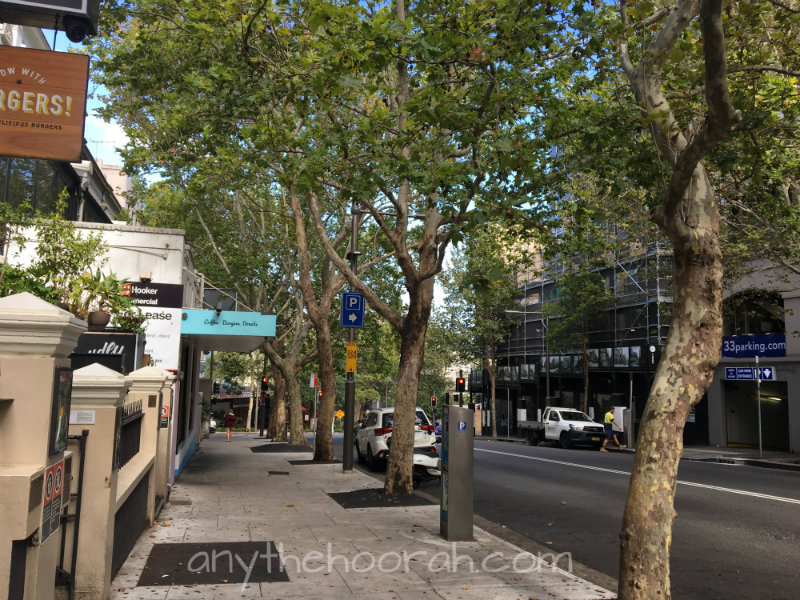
(493, 387)
(277, 409)
(412, 353)
(319, 313)
(323, 446)
(690, 217)
(296, 434)
(682, 377)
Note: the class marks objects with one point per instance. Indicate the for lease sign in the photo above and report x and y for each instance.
(42, 103)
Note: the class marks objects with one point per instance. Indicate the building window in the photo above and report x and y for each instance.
(37, 181)
(753, 312)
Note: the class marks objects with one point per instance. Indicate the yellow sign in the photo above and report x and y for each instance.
(42, 103)
(352, 357)
(339, 414)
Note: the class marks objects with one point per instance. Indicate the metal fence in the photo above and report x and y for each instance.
(130, 432)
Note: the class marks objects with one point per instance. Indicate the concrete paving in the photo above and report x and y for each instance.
(230, 497)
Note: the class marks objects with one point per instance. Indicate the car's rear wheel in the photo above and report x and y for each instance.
(372, 463)
(359, 456)
(564, 440)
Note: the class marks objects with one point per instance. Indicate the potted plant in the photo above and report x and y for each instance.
(98, 297)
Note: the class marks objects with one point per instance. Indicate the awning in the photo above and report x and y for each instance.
(226, 330)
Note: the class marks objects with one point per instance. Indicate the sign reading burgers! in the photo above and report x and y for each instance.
(42, 103)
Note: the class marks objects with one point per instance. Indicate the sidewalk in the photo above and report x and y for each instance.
(245, 523)
(743, 456)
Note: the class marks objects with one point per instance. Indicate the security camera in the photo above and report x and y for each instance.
(75, 29)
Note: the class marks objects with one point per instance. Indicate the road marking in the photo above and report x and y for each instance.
(627, 473)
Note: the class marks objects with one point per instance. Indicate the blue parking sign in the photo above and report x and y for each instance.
(352, 314)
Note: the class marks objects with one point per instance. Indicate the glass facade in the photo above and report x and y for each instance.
(41, 182)
(37, 181)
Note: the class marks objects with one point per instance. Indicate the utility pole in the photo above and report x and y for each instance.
(350, 383)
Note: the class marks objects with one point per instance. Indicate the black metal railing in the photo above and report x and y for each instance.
(130, 431)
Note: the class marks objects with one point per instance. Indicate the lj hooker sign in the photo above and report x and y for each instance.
(42, 103)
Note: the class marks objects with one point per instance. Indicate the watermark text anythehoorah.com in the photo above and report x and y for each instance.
(226, 562)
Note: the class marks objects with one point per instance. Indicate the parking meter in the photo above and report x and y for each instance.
(455, 514)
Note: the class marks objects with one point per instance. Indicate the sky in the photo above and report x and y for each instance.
(102, 138)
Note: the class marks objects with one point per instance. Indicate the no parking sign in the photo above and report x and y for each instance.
(51, 508)
(164, 417)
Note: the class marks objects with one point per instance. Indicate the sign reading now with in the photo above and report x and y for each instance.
(42, 103)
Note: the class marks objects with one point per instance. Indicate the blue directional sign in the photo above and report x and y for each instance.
(352, 310)
(767, 373)
(749, 373)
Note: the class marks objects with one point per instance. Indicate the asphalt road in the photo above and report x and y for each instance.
(736, 536)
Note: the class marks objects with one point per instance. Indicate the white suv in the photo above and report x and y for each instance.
(372, 437)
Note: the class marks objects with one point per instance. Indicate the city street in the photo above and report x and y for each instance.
(736, 536)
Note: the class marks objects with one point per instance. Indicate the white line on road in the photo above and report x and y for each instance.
(627, 473)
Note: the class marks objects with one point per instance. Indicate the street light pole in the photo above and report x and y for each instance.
(508, 391)
(350, 383)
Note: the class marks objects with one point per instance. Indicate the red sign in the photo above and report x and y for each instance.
(42, 103)
(51, 508)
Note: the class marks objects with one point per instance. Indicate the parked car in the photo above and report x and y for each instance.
(372, 438)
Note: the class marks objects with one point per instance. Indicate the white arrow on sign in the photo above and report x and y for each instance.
(352, 317)
(767, 373)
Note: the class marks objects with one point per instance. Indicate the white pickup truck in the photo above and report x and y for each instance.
(567, 426)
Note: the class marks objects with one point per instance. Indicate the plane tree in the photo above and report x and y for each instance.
(690, 110)
(481, 286)
(442, 141)
(419, 115)
(236, 246)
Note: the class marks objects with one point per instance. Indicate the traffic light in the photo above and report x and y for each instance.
(264, 383)
(433, 403)
(215, 390)
(460, 384)
(320, 395)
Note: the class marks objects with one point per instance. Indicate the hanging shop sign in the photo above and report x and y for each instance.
(78, 18)
(42, 103)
